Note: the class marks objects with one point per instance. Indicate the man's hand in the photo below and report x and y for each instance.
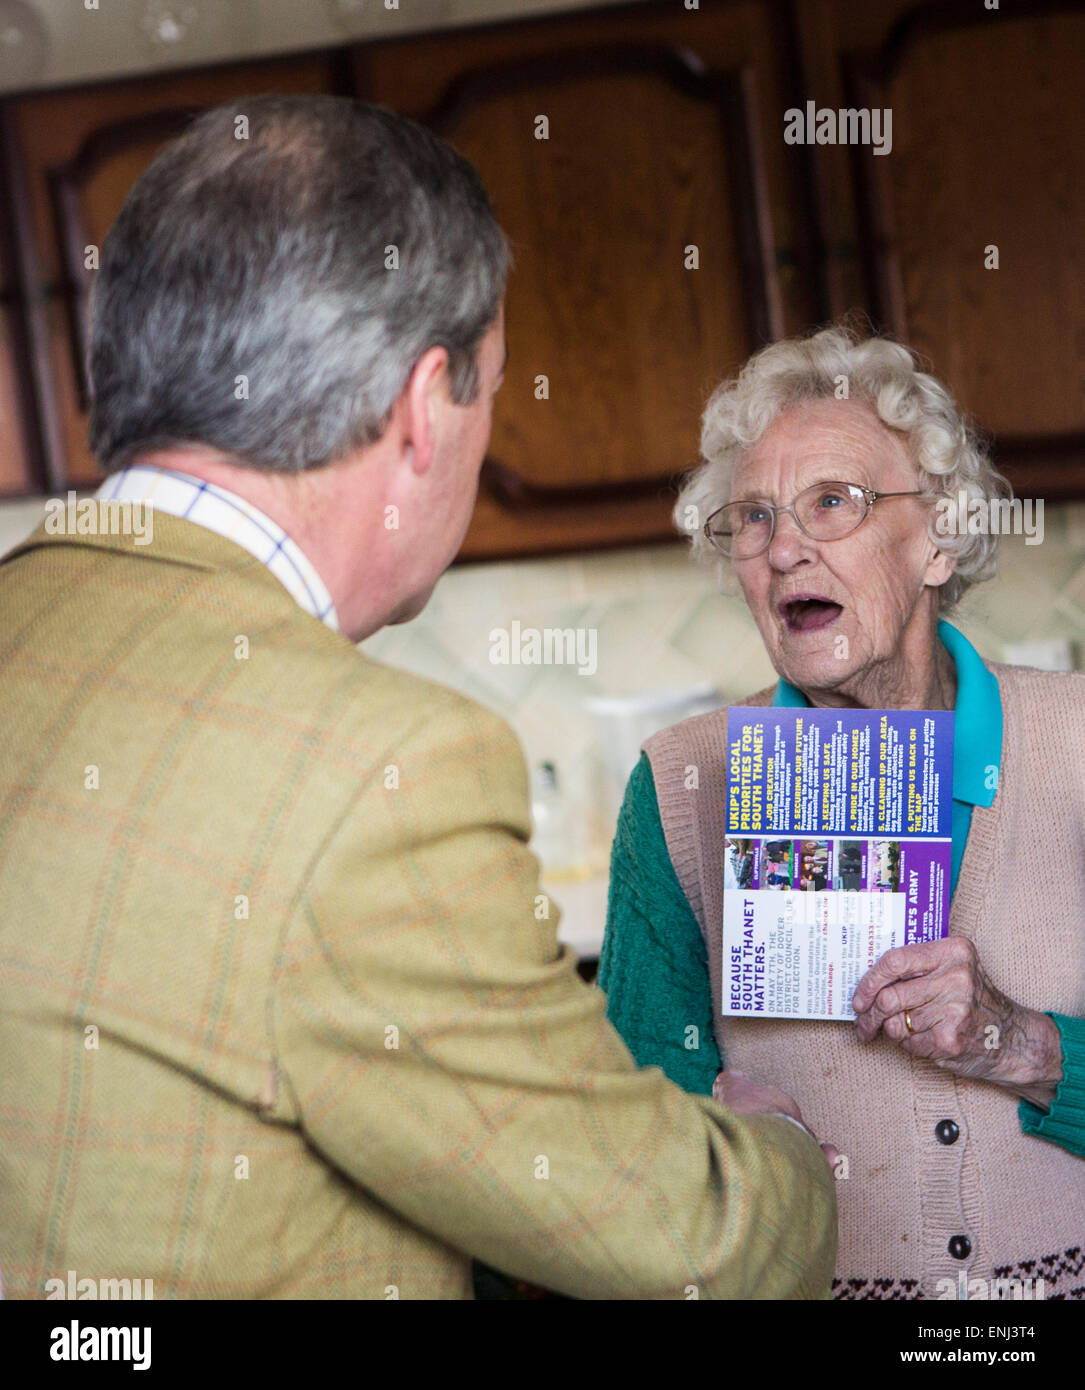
(746, 1097)
(959, 1020)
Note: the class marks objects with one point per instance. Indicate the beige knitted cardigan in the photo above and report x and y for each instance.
(1020, 897)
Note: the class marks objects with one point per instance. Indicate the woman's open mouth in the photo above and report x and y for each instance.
(809, 612)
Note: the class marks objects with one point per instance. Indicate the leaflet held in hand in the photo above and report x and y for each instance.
(838, 826)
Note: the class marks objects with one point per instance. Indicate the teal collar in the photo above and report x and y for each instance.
(977, 731)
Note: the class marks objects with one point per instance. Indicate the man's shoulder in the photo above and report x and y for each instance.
(434, 711)
(362, 703)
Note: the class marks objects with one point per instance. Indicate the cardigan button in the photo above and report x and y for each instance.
(947, 1132)
(960, 1247)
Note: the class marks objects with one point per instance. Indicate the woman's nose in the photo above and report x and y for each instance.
(789, 544)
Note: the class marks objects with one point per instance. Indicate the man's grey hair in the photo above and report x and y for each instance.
(948, 454)
(246, 299)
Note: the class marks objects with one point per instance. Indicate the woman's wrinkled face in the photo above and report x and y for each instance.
(829, 611)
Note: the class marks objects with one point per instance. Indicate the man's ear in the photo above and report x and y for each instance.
(426, 386)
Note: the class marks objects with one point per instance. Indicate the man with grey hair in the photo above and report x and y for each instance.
(275, 962)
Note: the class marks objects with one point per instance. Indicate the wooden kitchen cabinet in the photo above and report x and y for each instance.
(664, 132)
(986, 153)
(16, 408)
(643, 229)
(69, 159)
(15, 476)
(986, 160)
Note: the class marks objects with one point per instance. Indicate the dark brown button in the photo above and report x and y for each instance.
(960, 1247)
(946, 1132)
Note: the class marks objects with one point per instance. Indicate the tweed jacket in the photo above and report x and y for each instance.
(283, 1012)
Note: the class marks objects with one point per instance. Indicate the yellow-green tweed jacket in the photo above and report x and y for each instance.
(281, 1012)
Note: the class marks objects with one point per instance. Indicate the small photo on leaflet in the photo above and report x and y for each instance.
(814, 865)
(885, 868)
(738, 864)
(850, 868)
(777, 864)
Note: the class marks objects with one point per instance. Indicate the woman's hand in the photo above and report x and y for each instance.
(746, 1097)
(959, 1020)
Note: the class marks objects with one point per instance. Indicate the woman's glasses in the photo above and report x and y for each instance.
(824, 512)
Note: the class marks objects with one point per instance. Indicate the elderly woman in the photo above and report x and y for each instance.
(825, 461)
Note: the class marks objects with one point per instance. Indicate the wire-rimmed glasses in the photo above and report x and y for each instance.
(824, 512)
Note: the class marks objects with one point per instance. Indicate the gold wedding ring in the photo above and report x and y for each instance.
(908, 1020)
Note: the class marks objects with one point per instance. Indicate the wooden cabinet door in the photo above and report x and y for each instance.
(18, 406)
(69, 159)
(624, 156)
(974, 224)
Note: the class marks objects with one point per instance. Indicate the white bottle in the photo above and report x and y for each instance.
(550, 839)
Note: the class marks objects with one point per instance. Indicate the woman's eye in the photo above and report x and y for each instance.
(829, 500)
(756, 516)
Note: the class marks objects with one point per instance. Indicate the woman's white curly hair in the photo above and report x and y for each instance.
(949, 455)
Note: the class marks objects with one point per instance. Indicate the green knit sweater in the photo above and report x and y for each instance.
(654, 970)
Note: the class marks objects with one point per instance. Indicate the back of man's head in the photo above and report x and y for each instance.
(274, 276)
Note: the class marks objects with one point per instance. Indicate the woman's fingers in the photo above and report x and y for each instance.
(901, 963)
(936, 985)
(887, 1011)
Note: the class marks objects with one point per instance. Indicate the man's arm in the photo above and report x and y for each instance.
(444, 1052)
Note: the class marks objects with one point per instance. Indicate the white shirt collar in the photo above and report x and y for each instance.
(231, 516)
